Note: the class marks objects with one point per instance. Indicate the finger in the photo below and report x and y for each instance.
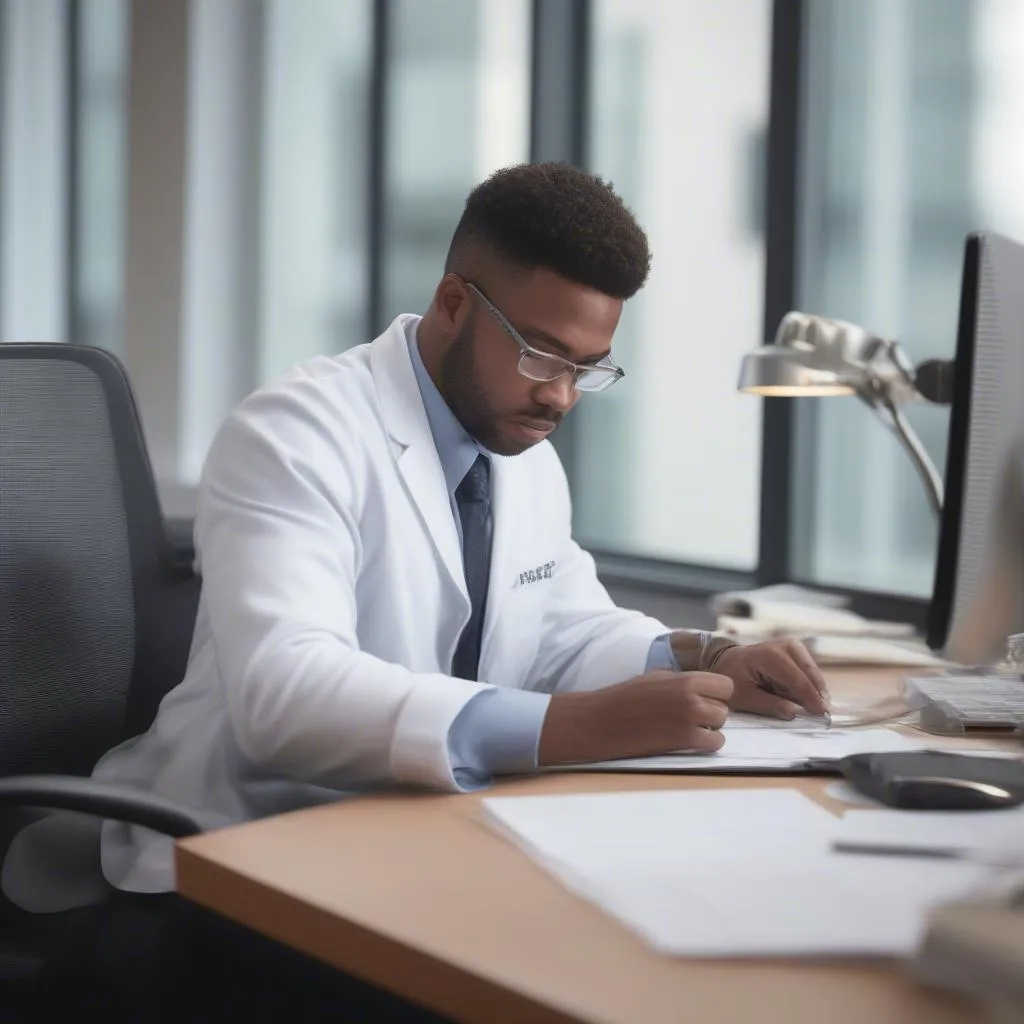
(712, 713)
(758, 702)
(799, 653)
(710, 684)
(706, 740)
(781, 676)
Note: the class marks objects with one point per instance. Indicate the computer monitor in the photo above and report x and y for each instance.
(978, 595)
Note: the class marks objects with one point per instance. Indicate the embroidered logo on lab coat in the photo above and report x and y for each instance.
(541, 572)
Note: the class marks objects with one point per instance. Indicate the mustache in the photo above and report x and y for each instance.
(543, 416)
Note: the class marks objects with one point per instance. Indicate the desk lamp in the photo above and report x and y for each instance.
(816, 357)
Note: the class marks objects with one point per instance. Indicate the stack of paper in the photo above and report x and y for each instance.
(730, 873)
(866, 650)
(788, 610)
(774, 620)
(745, 602)
(833, 634)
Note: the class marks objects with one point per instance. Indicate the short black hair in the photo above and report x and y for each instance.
(559, 217)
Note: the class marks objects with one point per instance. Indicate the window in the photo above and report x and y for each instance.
(275, 221)
(294, 171)
(313, 158)
(458, 109)
(99, 180)
(281, 154)
(667, 464)
(33, 157)
(281, 150)
(62, 172)
(912, 138)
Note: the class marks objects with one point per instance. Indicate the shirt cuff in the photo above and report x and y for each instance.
(661, 655)
(496, 733)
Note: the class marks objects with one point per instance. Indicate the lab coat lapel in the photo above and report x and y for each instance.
(413, 445)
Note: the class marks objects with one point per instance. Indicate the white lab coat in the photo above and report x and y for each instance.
(334, 596)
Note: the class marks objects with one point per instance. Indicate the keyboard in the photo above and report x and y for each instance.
(973, 702)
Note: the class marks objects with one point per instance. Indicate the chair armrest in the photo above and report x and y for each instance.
(104, 799)
(180, 545)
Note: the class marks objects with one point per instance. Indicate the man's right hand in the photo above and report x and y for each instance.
(651, 714)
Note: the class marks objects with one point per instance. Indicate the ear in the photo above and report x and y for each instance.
(452, 303)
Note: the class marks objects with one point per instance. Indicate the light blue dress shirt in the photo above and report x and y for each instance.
(498, 731)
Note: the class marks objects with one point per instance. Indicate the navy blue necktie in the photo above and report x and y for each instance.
(473, 496)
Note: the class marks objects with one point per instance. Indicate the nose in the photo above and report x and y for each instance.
(559, 394)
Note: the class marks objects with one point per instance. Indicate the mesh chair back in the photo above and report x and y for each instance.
(94, 622)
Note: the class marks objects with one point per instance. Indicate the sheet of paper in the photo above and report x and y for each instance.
(971, 831)
(694, 764)
(767, 749)
(806, 905)
(802, 723)
(729, 873)
(812, 742)
(844, 714)
(642, 830)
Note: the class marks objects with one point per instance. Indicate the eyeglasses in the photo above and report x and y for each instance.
(543, 366)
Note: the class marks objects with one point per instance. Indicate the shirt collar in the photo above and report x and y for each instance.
(455, 448)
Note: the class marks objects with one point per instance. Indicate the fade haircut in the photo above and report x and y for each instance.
(556, 216)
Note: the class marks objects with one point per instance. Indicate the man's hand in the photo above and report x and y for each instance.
(775, 678)
(650, 714)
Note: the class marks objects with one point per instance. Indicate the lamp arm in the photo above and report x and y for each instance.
(912, 445)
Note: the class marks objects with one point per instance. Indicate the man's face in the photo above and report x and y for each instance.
(505, 411)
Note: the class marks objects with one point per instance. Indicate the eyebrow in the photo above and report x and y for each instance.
(536, 334)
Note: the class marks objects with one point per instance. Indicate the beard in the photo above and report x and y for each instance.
(470, 403)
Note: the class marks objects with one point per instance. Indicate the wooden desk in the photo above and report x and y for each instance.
(413, 894)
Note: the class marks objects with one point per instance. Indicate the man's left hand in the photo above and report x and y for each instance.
(776, 678)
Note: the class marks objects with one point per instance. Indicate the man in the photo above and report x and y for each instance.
(391, 593)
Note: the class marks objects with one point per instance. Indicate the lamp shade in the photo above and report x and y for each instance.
(811, 356)
(772, 371)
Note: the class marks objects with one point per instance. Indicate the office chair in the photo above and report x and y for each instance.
(96, 611)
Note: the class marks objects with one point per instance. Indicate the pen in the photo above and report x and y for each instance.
(1005, 859)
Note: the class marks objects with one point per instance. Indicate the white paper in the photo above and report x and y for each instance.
(862, 650)
(806, 905)
(740, 601)
(689, 764)
(812, 742)
(742, 872)
(759, 616)
(643, 830)
(842, 715)
(969, 831)
(802, 723)
(766, 749)
(786, 615)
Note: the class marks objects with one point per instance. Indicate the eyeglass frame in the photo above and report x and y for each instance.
(615, 372)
